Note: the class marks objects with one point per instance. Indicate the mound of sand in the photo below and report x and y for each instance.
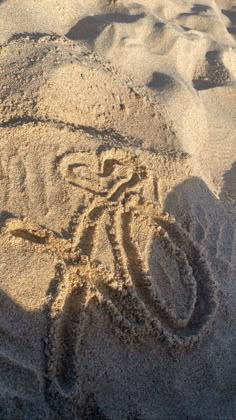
(118, 209)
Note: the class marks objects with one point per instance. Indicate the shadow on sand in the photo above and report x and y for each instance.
(89, 28)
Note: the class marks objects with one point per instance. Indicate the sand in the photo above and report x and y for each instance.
(118, 209)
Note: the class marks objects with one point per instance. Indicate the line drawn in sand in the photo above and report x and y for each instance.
(114, 179)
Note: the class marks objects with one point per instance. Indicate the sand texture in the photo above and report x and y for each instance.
(118, 209)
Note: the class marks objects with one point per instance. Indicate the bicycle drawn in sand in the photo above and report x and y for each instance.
(158, 282)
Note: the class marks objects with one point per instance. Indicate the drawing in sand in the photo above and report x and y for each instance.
(116, 185)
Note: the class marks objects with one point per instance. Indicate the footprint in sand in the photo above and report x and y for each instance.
(166, 291)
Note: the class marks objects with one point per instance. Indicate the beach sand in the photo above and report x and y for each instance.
(118, 209)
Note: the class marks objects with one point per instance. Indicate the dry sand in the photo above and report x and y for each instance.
(118, 209)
